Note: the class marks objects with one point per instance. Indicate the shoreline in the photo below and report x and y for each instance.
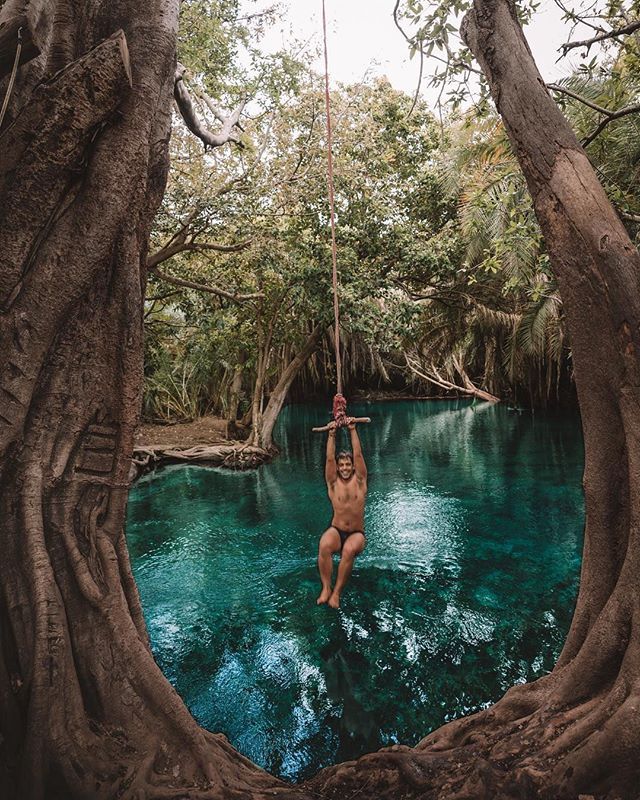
(205, 441)
(232, 455)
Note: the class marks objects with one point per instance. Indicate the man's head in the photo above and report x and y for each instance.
(344, 461)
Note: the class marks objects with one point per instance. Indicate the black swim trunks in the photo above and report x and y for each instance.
(344, 535)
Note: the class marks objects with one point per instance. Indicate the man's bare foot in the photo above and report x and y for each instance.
(325, 594)
(334, 600)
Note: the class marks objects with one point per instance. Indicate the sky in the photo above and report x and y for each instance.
(363, 39)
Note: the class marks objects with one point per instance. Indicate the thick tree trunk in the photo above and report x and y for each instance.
(577, 730)
(235, 391)
(257, 400)
(84, 710)
(598, 270)
(281, 389)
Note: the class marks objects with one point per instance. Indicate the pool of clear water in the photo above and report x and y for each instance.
(474, 523)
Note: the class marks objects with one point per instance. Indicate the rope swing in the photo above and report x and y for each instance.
(339, 401)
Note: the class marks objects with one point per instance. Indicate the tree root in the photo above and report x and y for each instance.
(550, 752)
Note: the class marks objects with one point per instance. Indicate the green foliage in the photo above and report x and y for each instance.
(173, 395)
(615, 152)
(433, 28)
(439, 252)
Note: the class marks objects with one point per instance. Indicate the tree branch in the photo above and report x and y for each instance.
(416, 94)
(623, 112)
(601, 37)
(213, 108)
(179, 244)
(397, 23)
(443, 296)
(201, 287)
(578, 19)
(195, 125)
(629, 217)
(228, 186)
(610, 115)
(156, 298)
(450, 61)
(469, 388)
(555, 87)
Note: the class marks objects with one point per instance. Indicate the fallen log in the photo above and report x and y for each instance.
(233, 455)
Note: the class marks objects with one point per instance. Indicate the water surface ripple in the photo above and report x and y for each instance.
(474, 525)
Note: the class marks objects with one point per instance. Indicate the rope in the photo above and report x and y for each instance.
(334, 257)
(16, 62)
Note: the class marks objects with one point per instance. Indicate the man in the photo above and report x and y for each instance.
(346, 479)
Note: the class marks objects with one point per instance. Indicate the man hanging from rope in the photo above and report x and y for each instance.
(346, 478)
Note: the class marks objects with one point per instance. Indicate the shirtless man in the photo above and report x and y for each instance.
(346, 479)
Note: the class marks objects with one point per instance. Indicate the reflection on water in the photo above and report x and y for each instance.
(474, 525)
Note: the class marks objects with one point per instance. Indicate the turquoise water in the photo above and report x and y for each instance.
(474, 524)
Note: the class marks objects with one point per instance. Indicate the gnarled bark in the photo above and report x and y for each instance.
(84, 710)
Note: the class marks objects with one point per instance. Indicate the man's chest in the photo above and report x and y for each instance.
(348, 494)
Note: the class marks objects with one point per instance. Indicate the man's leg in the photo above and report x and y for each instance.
(354, 545)
(329, 544)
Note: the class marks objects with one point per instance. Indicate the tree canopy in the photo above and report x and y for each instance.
(445, 281)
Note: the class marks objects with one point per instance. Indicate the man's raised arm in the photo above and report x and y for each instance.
(358, 459)
(330, 470)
